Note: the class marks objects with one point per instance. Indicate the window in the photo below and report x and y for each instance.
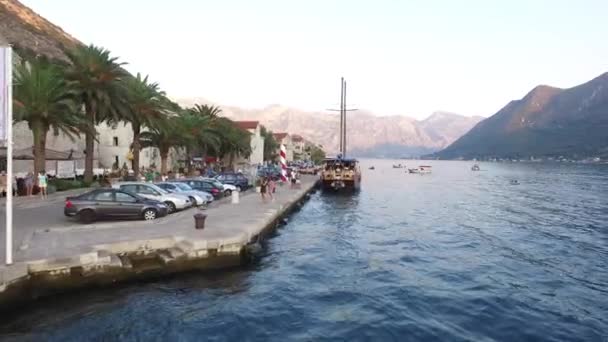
(125, 198)
(146, 190)
(106, 196)
(116, 162)
(129, 188)
(115, 141)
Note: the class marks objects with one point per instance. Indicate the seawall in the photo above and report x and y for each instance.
(232, 232)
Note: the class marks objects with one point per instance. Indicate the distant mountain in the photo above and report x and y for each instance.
(31, 34)
(368, 135)
(548, 121)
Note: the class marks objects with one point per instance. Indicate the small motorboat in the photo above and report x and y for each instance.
(398, 166)
(514, 182)
(425, 169)
(475, 168)
(414, 170)
(372, 168)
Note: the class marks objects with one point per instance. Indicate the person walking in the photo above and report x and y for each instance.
(3, 183)
(29, 184)
(264, 188)
(42, 184)
(271, 188)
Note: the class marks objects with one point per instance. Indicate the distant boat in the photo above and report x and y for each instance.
(398, 166)
(372, 168)
(425, 169)
(514, 182)
(421, 169)
(475, 168)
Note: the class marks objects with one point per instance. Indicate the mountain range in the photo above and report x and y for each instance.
(548, 121)
(368, 135)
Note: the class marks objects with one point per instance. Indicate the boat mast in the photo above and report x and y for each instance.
(344, 120)
(342, 116)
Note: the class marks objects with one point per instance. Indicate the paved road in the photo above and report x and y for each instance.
(32, 214)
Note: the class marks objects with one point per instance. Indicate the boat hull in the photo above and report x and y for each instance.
(340, 185)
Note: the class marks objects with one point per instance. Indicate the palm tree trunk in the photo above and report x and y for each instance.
(136, 146)
(39, 131)
(188, 160)
(89, 145)
(164, 155)
(231, 161)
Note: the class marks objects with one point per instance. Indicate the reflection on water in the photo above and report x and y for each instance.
(454, 255)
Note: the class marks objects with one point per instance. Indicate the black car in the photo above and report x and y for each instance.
(112, 203)
(237, 179)
(208, 185)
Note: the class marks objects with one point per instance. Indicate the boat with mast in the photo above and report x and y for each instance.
(341, 172)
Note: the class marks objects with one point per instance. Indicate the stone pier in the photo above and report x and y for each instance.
(61, 258)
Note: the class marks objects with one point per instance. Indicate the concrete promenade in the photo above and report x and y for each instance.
(59, 257)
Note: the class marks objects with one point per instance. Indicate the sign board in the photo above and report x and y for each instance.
(5, 59)
(66, 168)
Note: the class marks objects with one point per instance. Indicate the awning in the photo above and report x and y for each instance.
(28, 154)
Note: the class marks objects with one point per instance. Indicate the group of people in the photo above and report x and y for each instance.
(41, 180)
(267, 187)
(268, 184)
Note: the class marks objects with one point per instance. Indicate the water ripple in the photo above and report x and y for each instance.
(453, 256)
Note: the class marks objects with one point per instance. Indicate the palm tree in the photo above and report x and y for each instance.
(164, 138)
(206, 110)
(97, 76)
(147, 107)
(199, 133)
(44, 99)
(234, 140)
(270, 144)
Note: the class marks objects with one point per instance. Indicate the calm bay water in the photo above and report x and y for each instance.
(455, 255)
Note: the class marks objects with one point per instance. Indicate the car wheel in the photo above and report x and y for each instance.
(149, 214)
(172, 207)
(193, 200)
(86, 216)
(228, 192)
(238, 188)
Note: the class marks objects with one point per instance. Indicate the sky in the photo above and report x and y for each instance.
(406, 57)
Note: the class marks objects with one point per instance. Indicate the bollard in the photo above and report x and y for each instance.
(199, 221)
(235, 197)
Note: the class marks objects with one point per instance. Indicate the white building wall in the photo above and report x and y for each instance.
(105, 149)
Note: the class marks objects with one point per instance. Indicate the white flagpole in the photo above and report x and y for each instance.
(9, 154)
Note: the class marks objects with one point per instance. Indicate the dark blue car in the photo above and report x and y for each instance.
(237, 179)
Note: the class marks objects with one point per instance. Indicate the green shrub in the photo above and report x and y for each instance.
(67, 184)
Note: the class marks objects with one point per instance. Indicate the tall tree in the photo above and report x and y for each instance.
(199, 132)
(147, 107)
(270, 144)
(44, 99)
(164, 137)
(234, 141)
(97, 77)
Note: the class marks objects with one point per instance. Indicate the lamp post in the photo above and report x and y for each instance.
(6, 135)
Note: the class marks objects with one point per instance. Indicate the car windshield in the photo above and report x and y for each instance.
(157, 188)
(182, 186)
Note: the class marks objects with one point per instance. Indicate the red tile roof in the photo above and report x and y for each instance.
(297, 138)
(279, 136)
(247, 124)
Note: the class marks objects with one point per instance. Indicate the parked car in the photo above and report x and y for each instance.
(112, 203)
(272, 172)
(173, 201)
(208, 185)
(196, 196)
(237, 179)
